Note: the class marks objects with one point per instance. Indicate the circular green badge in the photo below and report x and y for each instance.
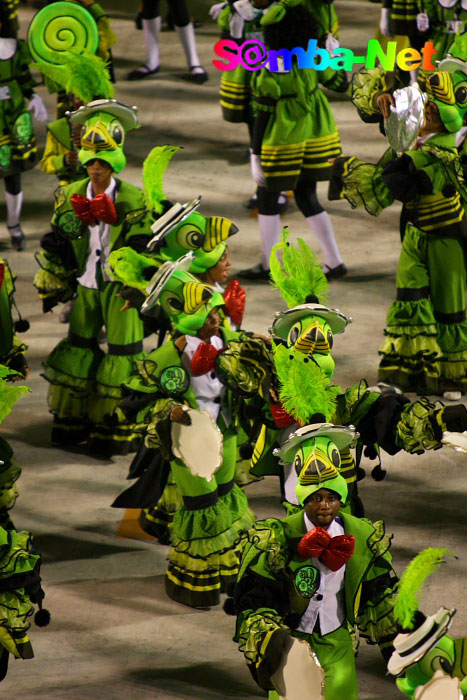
(307, 580)
(70, 226)
(174, 380)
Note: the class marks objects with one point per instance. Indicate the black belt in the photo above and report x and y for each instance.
(407, 294)
(456, 317)
(130, 349)
(199, 502)
(224, 489)
(78, 341)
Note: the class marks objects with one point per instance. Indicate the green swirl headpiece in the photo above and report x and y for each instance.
(59, 27)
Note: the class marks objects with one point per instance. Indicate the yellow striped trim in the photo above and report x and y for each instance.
(227, 105)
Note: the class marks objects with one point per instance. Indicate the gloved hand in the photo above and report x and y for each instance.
(423, 22)
(257, 170)
(101, 208)
(204, 359)
(331, 44)
(384, 22)
(216, 9)
(235, 299)
(282, 419)
(334, 552)
(236, 25)
(37, 106)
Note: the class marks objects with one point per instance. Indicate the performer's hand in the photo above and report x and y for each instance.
(331, 44)
(235, 300)
(82, 208)
(76, 136)
(38, 108)
(257, 170)
(384, 22)
(178, 414)
(204, 359)
(384, 102)
(103, 209)
(216, 9)
(71, 158)
(423, 22)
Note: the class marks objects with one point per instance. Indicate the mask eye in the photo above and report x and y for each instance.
(298, 463)
(330, 338)
(294, 334)
(461, 95)
(117, 134)
(190, 237)
(171, 304)
(334, 456)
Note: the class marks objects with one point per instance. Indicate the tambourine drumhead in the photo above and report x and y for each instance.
(198, 445)
(440, 687)
(299, 675)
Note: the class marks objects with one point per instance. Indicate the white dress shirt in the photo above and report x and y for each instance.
(327, 604)
(99, 245)
(207, 389)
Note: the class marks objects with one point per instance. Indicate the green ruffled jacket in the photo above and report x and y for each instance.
(268, 602)
(163, 382)
(64, 251)
(429, 180)
(19, 589)
(11, 348)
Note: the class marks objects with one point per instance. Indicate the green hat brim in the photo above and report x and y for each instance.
(127, 116)
(173, 217)
(162, 276)
(341, 435)
(285, 319)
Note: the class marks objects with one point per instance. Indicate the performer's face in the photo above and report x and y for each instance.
(220, 272)
(211, 326)
(99, 172)
(322, 507)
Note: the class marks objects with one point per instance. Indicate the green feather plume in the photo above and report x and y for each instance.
(154, 168)
(410, 586)
(298, 274)
(9, 393)
(305, 389)
(128, 267)
(79, 73)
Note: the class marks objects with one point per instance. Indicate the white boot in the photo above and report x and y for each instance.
(321, 226)
(188, 41)
(14, 205)
(152, 30)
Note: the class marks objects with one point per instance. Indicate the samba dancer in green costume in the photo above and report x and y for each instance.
(93, 217)
(186, 372)
(294, 135)
(315, 574)
(18, 150)
(84, 78)
(426, 333)
(20, 581)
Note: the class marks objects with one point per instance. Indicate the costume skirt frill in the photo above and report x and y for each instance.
(235, 95)
(85, 388)
(158, 520)
(9, 474)
(16, 563)
(420, 354)
(206, 549)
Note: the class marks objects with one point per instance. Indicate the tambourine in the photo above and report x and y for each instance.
(60, 27)
(199, 445)
(299, 674)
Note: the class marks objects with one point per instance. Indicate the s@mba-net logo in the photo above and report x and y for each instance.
(253, 55)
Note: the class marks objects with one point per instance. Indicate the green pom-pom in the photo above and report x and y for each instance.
(79, 73)
(298, 275)
(131, 268)
(154, 168)
(9, 393)
(276, 13)
(410, 586)
(305, 389)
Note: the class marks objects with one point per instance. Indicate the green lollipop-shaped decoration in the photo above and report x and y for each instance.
(60, 27)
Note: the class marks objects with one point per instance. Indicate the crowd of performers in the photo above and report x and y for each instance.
(213, 407)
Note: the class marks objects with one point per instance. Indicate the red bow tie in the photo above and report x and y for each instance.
(334, 552)
(101, 208)
(204, 359)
